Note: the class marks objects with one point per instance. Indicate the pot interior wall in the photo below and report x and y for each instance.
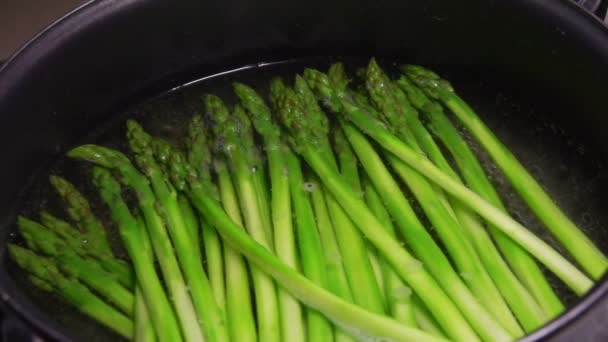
(522, 68)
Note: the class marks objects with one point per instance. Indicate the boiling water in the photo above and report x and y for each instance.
(565, 165)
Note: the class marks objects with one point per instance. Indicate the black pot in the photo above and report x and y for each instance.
(109, 53)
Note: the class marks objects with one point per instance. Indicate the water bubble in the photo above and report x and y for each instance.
(586, 217)
(309, 186)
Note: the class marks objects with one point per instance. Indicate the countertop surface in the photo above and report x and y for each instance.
(20, 20)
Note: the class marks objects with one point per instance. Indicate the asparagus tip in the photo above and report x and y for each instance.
(98, 155)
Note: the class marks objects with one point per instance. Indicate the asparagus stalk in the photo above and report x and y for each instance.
(42, 240)
(46, 276)
(144, 331)
(305, 140)
(210, 318)
(199, 157)
(311, 253)
(377, 131)
(336, 276)
(572, 238)
(238, 298)
(137, 243)
(354, 319)
(338, 282)
(353, 249)
(349, 169)
(161, 242)
(192, 224)
(231, 284)
(292, 324)
(523, 303)
(258, 172)
(424, 319)
(398, 294)
(225, 129)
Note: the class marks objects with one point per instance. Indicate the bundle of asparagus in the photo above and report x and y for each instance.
(310, 235)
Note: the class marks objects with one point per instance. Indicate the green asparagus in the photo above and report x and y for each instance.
(307, 141)
(231, 147)
(575, 241)
(523, 265)
(292, 325)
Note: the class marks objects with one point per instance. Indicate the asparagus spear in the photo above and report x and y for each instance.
(529, 273)
(574, 240)
(258, 171)
(239, 311)
(305, 137)
(90, 230)
(396, 110)
(292, 324)
(424, 319)
(161, 242)
(338, 282)
(311, 254)
(377, 131)
(349, 169)
(192, 224)
(79, 210)
(137, 243)
(200, 158)
(70, 235)
(42, 240)
(354, 319)
(209, 315)
(45, 275)
(398, 294)
(144, 331)
(231, 284)
(225, 129)
(336, 276)
(281, 160)
(353, 249)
